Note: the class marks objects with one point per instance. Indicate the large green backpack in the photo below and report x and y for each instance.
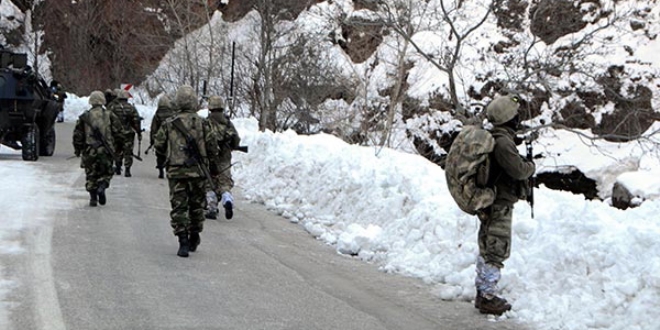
(467, 167)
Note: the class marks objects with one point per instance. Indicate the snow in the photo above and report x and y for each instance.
(578, 264)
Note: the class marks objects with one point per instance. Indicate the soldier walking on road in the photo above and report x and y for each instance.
(94, 135)
(131, 124)
(191, 150)
(228, 140)
(163, 112)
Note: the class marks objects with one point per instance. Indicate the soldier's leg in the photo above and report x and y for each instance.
(160, 165)
(225, 183)
(91, 177)
(105, 175)
(119, 152)
(179, 220)
(128, 150)
(494, 249)
(197, 206)
(211, 204)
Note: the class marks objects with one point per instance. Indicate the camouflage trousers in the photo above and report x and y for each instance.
(223, 181)
(160, 160)
(98, 167)
(124, 151)
(495, 234)
(188, 201)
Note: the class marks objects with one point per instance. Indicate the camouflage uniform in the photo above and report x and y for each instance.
(131, 122)
(508, 173)
(228, 140)
(186, 181)
(163, 112)
(96, 160)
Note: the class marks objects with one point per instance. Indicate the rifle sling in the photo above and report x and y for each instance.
(96, 130)
(178, 125)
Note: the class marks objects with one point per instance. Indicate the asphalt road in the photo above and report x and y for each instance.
(115, 267)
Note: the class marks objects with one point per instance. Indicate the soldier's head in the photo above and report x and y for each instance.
(186, 98)
(164, 102)
(96, 98)
(502, 109)
(216, 103)
(109, 95)
(122, 95)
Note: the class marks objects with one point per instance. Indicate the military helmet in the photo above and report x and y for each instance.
(122, 94)
(96, 98)
(216, 103)
(502, 109)
(164, 102)
(186, 99)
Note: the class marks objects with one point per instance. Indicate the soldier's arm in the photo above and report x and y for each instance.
(137, 121)
(212, 149)
(79, 137)
(155, 125)
(507, 156)
(160, 139)
(116, 128)
(234, 138)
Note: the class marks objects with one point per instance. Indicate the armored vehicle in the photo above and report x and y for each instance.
(27, 108)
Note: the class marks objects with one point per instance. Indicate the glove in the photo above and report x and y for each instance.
(77, 153)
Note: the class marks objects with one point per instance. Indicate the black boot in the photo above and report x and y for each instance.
(229, 210)
(93, 199)
(161, 173)
(101, 192)
(184, 245)
(127, 172)
(493, 305)
(194, 241)
(117, 168)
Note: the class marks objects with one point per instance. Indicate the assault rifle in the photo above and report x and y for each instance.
(532, 179)
(194, 153)
(98, 136)
(241, 149)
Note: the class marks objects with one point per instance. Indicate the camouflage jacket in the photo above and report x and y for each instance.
(128, 116)
(170, 142)
(509, 170)
(228, 138)
(107, 123)
(162, 113)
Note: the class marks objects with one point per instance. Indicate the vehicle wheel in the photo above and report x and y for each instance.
(47, 145)
(30, 144)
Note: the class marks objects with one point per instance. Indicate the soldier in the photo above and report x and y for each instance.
(190, 145)
(509, 173)
(59, 95)
(93, 136)
(163, 112)
(131, 122)
(228, 140)
(110, 97)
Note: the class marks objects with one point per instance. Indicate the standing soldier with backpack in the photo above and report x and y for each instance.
(228, 140)
(191, 148)
(509, 172)
(93, 136)
(131, 122)
(163, 112)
